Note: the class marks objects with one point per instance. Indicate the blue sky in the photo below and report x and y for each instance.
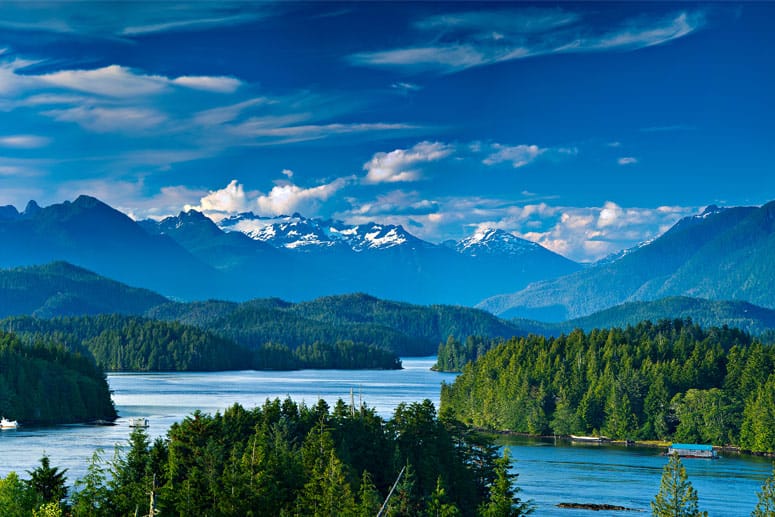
(587, 127)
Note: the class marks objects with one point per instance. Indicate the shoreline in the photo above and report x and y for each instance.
(653, 444)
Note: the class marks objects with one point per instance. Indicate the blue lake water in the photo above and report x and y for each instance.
(549, 473)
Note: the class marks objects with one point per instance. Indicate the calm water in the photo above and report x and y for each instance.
(548, 473)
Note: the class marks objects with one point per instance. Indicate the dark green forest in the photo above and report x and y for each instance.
(288, 459)
(45, 384)
(669, 380)
(130, 343)
(401, 327)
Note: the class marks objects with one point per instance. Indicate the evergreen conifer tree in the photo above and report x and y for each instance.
(766, 505)
(676, 496)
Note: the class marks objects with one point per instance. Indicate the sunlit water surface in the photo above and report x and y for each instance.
(549, 473)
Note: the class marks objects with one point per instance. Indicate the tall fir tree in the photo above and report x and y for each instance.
(766, 505)
(676, 496)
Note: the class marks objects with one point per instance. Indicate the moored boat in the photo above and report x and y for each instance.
(589, 439)
(692, 450)
(138, 421)
(8, 424)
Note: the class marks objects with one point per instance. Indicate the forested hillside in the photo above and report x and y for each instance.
(46, 384)
(138, 344)
(61, 289)
(670, 380)
(403, 328)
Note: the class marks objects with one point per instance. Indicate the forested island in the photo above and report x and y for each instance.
(46, 384)
(670, 380)
(288, 459)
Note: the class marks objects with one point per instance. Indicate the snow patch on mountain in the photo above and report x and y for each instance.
(298, 232)
(491, 241)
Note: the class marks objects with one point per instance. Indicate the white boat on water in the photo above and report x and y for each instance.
(8, 424)
(138, 421)
(589, 439)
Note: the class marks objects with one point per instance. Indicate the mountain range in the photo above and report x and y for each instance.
(721, 254)
(188, 256)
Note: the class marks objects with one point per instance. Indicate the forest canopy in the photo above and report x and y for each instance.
(669, 380)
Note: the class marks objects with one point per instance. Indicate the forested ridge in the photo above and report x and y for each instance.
(117, 343)
(45, 383)
(669, 380)
(401, 327)
(289, 459)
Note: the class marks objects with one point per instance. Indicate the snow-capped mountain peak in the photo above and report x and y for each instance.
(493, 241)
(298, 232)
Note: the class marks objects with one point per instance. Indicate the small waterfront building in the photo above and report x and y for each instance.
(692, 450)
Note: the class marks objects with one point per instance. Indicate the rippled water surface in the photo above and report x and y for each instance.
(549, 472)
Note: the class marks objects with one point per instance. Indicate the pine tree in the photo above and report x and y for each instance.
(766, 505)
(502, 501)
(369, 499)
(91, 498)
(49, 483)
(438, 503)
(676, 496)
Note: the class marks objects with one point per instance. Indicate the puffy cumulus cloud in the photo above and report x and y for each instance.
(581, 233)
(591, 233)
(517, 155)
(627, 160)
(229, 200)
(286, 198)
(404, 164)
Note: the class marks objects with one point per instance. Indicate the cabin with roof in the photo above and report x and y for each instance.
(692, 450)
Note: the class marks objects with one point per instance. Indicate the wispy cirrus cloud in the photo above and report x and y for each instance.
(109, 20)
(102, 119)
(627, 160)
(119, 81)
(24, 141)
(458, 41)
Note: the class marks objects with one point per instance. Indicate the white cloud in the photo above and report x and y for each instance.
(110, 81)
(283, 199)
(229, 200)
(283, 129)
(580, 233)
(406, 87)
(627, 160)
(288, 173)
(287, 198)
(403, 164)
(107, 20)
(459, 41)
(122, 82)
(23, 141)
(209, 83)
(518, 155)
(109, 120)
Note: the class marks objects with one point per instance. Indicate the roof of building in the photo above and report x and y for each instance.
(692, 447)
